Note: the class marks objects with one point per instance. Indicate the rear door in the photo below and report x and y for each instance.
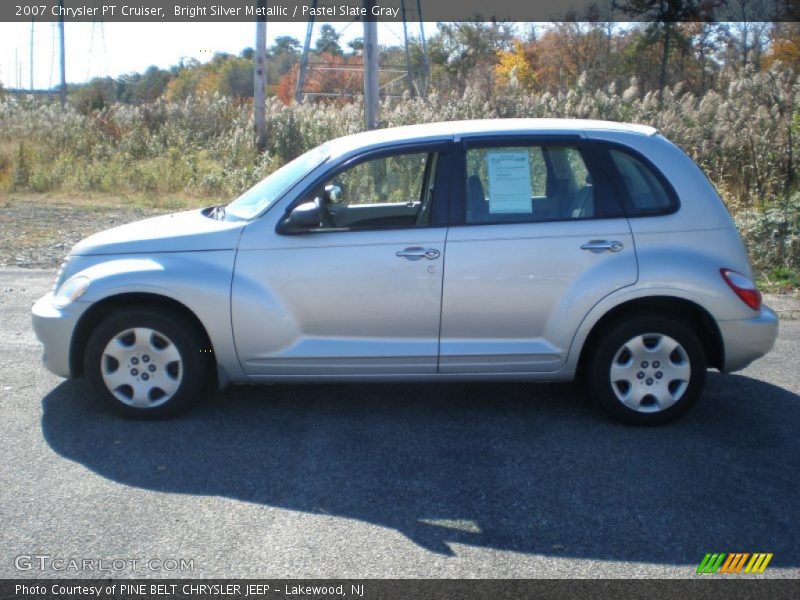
(538, 238)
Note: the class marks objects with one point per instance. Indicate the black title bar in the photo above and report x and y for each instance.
(391, 10)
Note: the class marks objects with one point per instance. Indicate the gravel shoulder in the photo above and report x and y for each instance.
(38, 234)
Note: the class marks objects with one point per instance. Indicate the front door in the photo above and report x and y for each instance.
(359, 294)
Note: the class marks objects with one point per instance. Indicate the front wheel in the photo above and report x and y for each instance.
(647, 370)
(147, 363)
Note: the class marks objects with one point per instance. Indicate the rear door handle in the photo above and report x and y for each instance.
(598, 246)
(418, 252)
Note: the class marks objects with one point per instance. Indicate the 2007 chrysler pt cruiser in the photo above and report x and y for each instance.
(491, 250)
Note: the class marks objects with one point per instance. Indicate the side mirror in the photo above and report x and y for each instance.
(333, 194)
(302, 218)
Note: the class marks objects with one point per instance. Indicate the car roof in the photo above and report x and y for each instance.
(446, 130)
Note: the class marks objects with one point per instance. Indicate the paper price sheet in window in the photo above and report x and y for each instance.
(509, 181)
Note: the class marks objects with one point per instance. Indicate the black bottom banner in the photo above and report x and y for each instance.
(236, 589)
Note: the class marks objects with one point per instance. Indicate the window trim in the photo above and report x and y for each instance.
(632, 212)
(589, 154)
(442, 184)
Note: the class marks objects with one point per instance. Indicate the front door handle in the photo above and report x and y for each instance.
(417, 253)
(598, 246)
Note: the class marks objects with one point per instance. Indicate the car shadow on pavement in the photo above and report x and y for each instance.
(520, 467)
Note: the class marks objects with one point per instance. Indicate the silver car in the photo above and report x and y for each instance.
(480, 250)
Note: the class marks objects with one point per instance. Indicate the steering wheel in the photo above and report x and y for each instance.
(326, 217)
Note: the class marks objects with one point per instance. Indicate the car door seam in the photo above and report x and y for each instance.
(441, 302)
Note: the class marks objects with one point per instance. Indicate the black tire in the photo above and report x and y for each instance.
(617, 346)
(190, 375)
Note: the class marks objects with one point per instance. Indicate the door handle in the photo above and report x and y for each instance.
(598, 246)
(417, 253)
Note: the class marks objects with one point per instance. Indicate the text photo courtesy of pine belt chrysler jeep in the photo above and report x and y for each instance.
(518, 249)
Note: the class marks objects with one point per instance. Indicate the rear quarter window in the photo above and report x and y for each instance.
(647, 191)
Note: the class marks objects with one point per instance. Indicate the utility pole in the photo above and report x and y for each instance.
(31, 88)
(63, 55)
(371, 89)
(260, 79)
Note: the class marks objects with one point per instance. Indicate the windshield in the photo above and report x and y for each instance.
(262, 195)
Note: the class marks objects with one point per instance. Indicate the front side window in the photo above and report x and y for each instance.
(388, 192)
(528, 184)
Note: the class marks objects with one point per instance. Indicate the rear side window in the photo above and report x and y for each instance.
(647, 194)
(531, 183)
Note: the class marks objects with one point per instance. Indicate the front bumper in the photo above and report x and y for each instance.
(54, 328)
(745, 340)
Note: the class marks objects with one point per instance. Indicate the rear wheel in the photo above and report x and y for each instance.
(147, 363)
(647, 370)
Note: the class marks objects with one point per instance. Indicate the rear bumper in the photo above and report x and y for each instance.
(745, 340)
(54, 327)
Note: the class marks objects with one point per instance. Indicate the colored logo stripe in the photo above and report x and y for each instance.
(733, 562)
(710, 563)
(758, 563)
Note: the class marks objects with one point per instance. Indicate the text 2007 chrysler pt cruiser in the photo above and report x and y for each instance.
(494, 250)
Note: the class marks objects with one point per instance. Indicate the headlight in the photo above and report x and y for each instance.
(60, 275)
(70, 291)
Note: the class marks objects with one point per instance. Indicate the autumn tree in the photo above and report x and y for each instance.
(282, 56)
(662, 18)
(328, 41)
(468, 51)
(567, 51)
(516, 67)
(138, 88)
(785, 45)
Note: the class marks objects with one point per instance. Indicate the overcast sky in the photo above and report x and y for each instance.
(112, 49)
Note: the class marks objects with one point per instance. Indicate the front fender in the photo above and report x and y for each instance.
(200, 281)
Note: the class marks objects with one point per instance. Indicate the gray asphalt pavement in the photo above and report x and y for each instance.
(423, 480)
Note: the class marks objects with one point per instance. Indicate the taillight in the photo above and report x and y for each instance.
(743, 287)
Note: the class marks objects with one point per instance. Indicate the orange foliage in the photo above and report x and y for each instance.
(786, 45)
(327, 74)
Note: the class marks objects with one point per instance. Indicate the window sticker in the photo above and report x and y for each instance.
(509, 181)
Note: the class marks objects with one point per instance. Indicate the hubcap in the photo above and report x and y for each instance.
(141, 367)
(650, 372)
